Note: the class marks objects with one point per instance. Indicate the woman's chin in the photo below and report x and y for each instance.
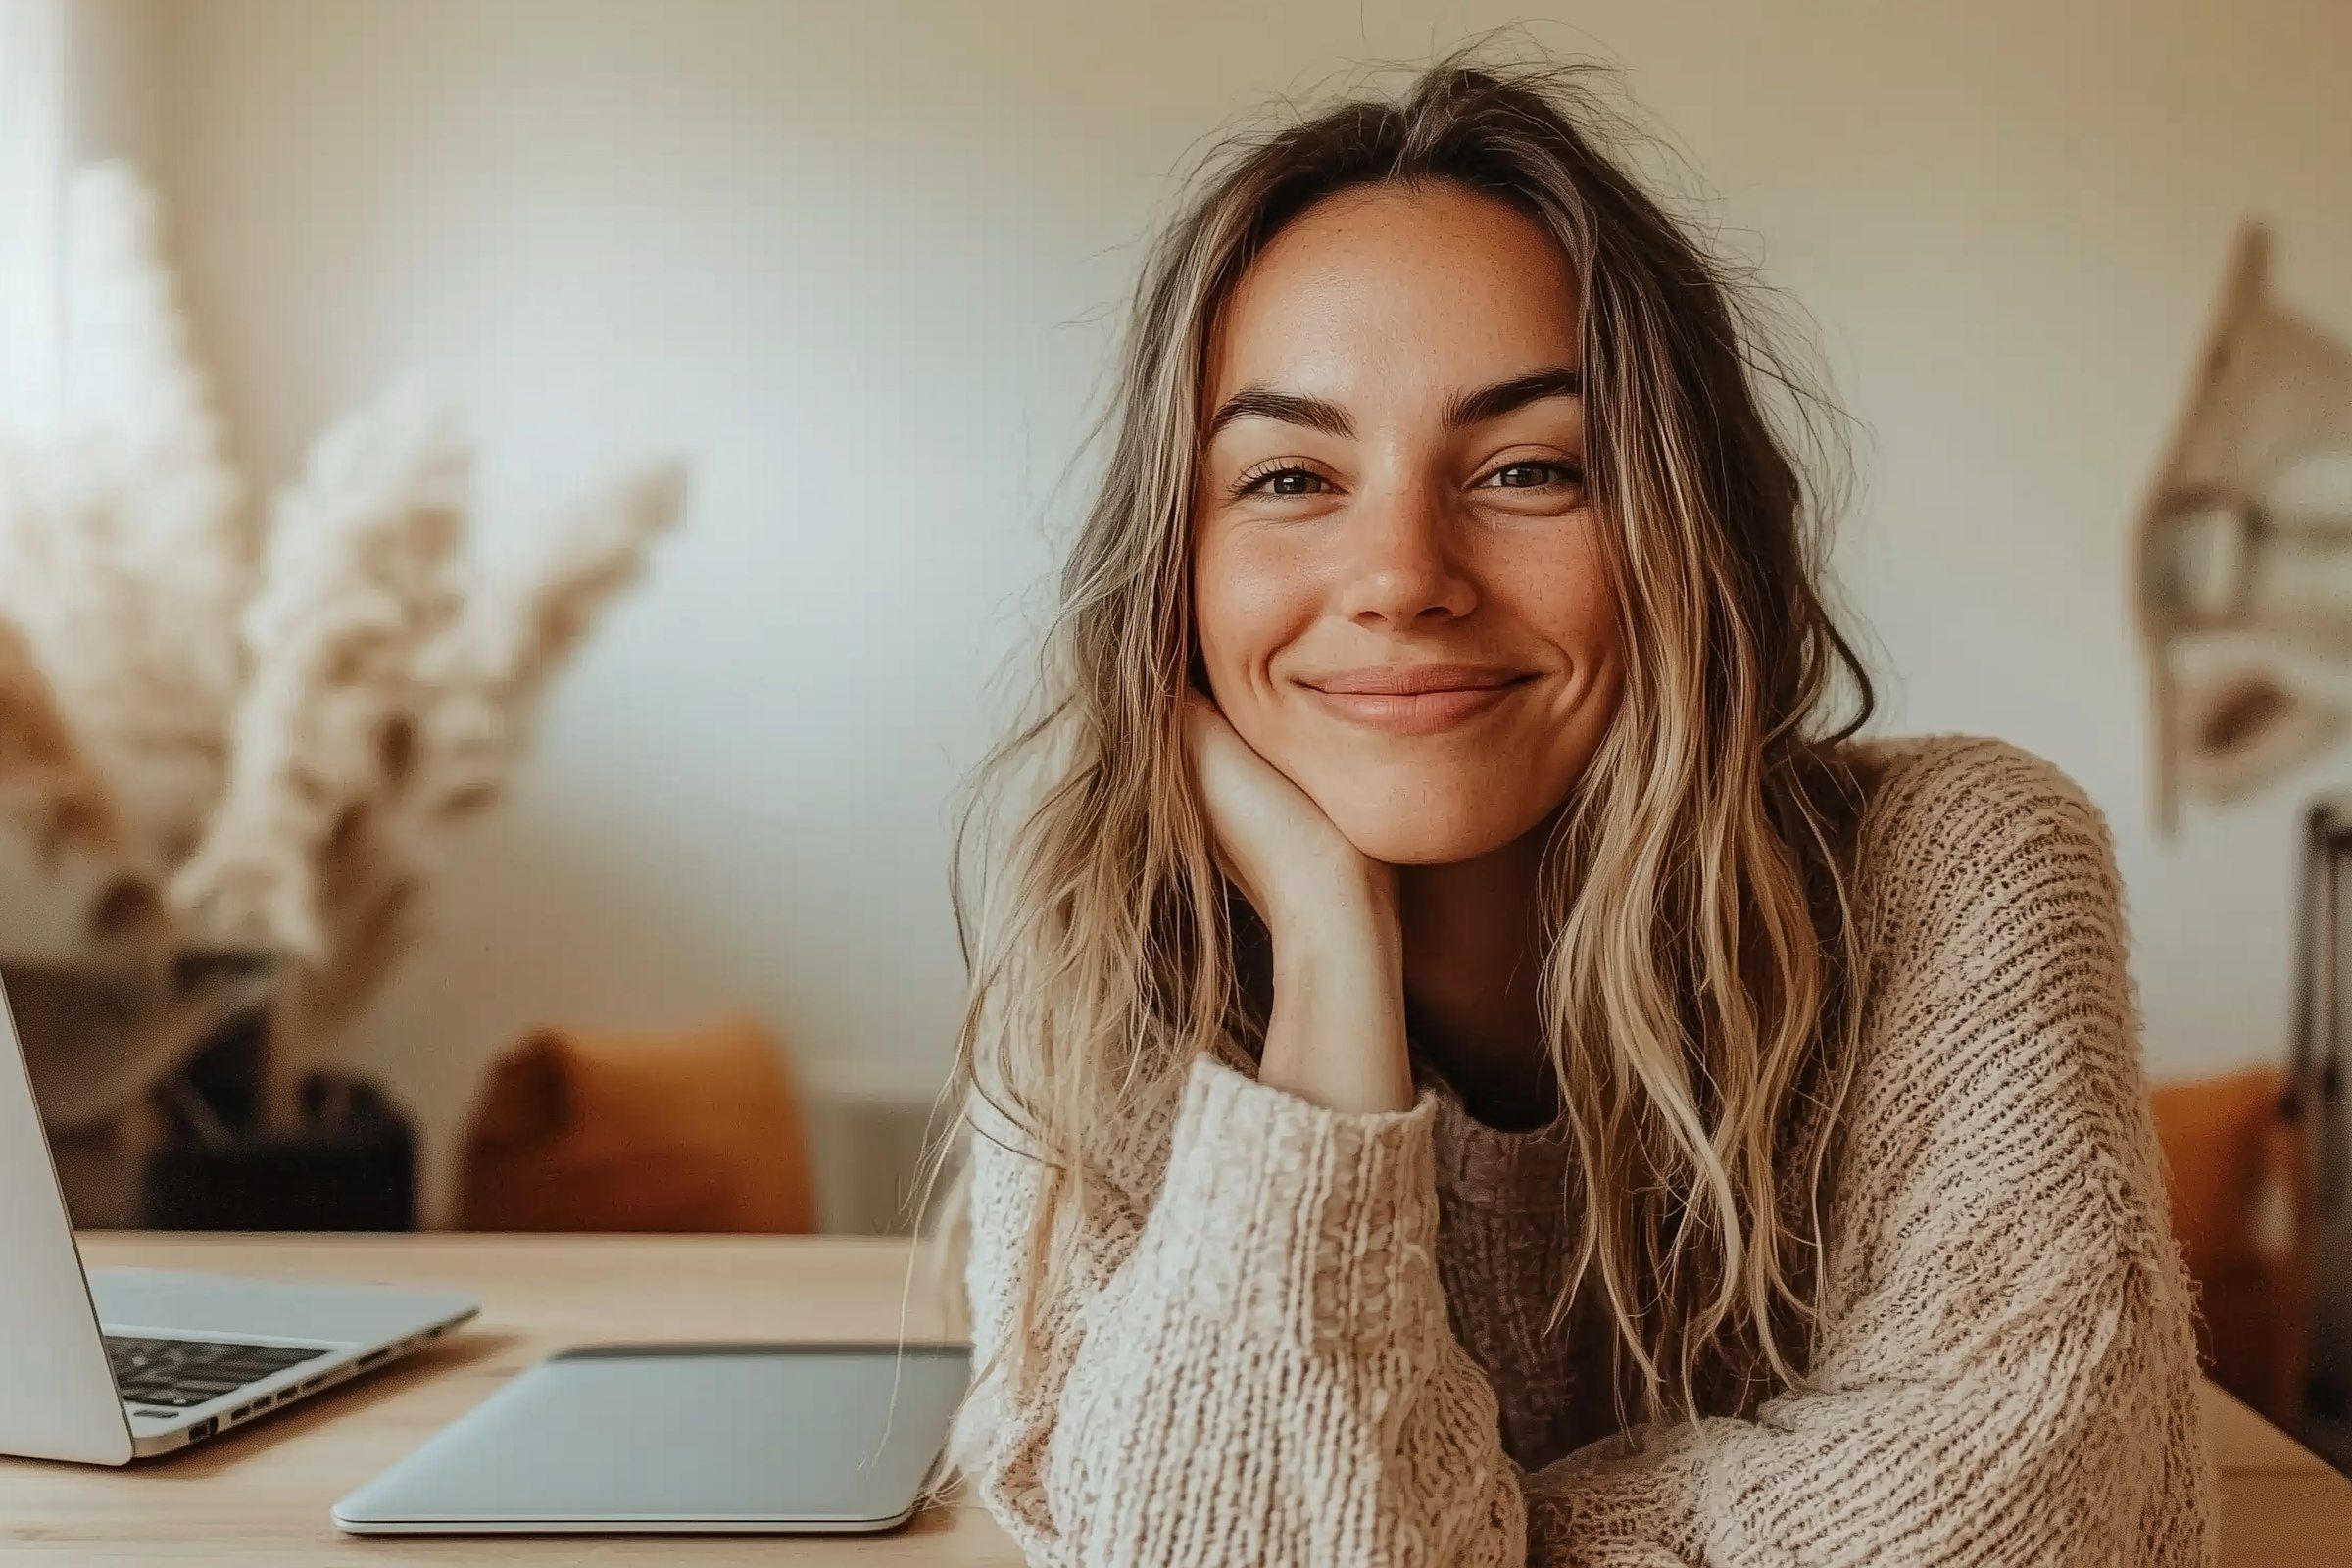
(1434, 814)
(1401, 840)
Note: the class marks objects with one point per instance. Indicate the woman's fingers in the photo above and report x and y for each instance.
(1209, 737)
(1275, 841)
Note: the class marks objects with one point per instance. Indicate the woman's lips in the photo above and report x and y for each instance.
(1415, 712)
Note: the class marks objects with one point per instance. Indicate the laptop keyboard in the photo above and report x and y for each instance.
(181, 1373)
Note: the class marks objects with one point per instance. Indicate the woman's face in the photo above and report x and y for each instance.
(1393, 482)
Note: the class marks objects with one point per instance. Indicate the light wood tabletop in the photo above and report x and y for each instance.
(258, 1495)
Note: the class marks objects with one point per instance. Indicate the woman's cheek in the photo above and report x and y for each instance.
(1249, 604)
(1569, 594)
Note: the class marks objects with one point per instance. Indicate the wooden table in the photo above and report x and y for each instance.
(258, 1495)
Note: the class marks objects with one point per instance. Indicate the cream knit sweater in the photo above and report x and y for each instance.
(1316, 1337)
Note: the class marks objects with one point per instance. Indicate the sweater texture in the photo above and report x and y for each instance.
(1307, 1336)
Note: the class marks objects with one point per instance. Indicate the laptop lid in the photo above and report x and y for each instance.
(735, 1438)
(57, 1395)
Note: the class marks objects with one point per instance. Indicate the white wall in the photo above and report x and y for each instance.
(31, 84)
(76, 83)
(856, 258)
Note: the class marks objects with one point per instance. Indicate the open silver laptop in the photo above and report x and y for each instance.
(122, 1363)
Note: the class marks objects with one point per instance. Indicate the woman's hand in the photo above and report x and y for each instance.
(1273, 839)
(1337, 1034)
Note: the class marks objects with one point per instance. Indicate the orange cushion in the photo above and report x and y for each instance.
(2229, 1157)
(690, 1130)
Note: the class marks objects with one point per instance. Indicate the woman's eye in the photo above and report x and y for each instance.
(1263, 483)
(1564, 476)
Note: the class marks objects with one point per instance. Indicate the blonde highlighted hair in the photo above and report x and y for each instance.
(1697, 989)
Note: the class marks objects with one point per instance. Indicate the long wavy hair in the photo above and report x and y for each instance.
(1697, 985)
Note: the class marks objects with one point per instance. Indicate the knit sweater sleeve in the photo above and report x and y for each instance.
(1259, 1366)
(1262, 1369)
(2007, 1372)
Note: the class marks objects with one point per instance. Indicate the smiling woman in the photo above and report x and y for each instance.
(1469, 1059)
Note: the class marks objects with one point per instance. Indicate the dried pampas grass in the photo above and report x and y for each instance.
(125, 554)
(261, 730)
(48, 789)
(488, 668)
(358, 574)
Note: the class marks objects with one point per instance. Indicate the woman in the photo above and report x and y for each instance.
(1469, 1065)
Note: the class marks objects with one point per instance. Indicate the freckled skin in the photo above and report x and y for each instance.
(1401, 545)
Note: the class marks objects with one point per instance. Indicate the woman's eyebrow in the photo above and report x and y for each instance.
(1494, 401)
(1291, 407)
(1463, 409)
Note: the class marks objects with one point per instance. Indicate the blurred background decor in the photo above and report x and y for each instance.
(2246, 550)
(233, 746)
(2310, 1152)
(2244, 577)
(694, 1130)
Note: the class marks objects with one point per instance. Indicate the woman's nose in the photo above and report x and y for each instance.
(1400, 563)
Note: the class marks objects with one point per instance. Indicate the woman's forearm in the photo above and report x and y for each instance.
(1261, 1371)
(1336, 1035)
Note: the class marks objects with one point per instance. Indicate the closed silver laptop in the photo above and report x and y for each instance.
(121, 1363)
(691, 1438)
